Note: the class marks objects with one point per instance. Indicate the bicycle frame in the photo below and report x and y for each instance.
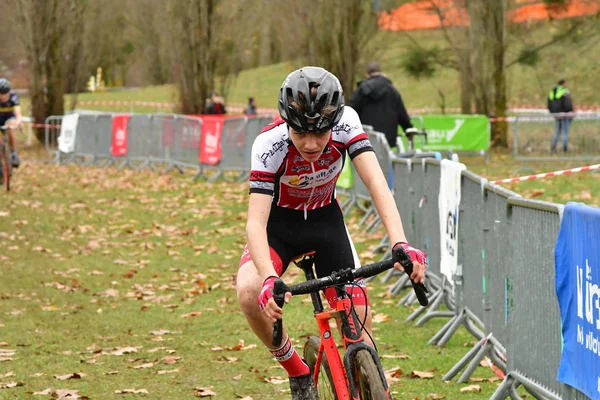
(343, 375)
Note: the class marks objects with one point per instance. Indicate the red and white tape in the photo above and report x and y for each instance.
(547, 174)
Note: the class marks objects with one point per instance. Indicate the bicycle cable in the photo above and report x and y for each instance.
(364, 321)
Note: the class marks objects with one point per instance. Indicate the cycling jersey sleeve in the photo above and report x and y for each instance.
(268, 152)
(14, 99)
(350, 133)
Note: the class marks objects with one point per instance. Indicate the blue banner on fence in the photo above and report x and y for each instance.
(577, 257)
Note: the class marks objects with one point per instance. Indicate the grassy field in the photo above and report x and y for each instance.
(119, 280)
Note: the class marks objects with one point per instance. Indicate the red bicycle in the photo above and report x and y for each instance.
(360, 375)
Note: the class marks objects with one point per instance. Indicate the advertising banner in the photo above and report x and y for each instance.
(467, 133)
(210, 144)
(577, 259)
(68, 131)
(119, 135)
(448, 203)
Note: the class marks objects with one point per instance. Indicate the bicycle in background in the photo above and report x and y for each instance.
(360, 375)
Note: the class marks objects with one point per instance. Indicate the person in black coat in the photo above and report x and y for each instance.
(379, 104)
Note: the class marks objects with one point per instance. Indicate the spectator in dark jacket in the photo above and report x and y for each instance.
(251, 108)
(380, 105)
(559, 101)
(215, 104)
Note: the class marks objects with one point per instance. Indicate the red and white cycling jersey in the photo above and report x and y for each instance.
(278, 168)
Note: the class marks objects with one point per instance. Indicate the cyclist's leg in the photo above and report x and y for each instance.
(249, 284)
(11, 139)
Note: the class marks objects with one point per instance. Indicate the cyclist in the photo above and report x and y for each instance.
(10, 115)
(293, 209)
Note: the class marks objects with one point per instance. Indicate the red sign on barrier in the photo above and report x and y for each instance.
(119, 139)
(210, 146)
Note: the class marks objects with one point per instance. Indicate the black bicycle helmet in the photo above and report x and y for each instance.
(309, 117)
(4, 86)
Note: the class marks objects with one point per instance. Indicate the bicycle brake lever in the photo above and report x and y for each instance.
(420, 289)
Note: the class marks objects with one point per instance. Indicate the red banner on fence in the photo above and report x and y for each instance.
(210, 146)
(119, 139)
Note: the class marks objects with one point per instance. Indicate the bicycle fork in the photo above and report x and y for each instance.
(344, 375)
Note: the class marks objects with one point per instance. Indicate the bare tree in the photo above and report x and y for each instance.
(203, 48)
(333, 34)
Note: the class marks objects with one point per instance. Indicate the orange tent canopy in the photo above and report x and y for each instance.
(433, 14)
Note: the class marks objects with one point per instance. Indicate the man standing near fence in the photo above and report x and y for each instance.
(380, 105)
(559, 101)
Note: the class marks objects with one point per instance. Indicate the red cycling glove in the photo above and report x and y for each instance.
(267, 291)
(414, 254)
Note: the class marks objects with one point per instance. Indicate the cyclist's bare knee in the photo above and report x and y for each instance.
(248, 287)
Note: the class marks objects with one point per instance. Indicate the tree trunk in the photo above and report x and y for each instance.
(498, 25)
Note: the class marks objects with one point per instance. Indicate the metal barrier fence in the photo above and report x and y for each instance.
(504, 291)
(157, 141)
(533, 134)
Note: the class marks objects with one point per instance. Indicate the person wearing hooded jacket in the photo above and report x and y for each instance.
(379, 104)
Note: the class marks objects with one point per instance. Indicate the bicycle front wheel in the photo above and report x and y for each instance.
(370, 382)
(326, 386)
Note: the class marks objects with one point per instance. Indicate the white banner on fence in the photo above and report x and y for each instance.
(68, 129)
(448, 203)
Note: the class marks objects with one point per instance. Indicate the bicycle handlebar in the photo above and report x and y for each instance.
(341, 277)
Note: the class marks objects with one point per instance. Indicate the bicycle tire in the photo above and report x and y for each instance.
(326, 387)
(370, 383)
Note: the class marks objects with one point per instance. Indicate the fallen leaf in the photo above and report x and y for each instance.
(43, 392)
(276, 380)
(67, 394)
(203, 392)
(69, 376)
(124, 350)
(435, 396)
(170, 360)
(471, 388)
(192, 314)
(9, 385)
(134, 391)
(144, 366)
(160, 332)
(421, 374)
(378, 318)
(400, 356)
(237, 377)
(167, 371)
(7, 375)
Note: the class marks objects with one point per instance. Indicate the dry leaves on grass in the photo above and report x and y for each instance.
(124, 350)
(435, 396)
(131, 391)
(239, 347)
(471, 388)
(400, 356)
(60, 394)
(393, 375)
(9, 385)
(379, 318)
(203, 392)
(421, 374)
(275, 380)
(70, 376)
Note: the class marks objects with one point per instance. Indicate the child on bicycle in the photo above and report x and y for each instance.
(293, 207)
(10, 116)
